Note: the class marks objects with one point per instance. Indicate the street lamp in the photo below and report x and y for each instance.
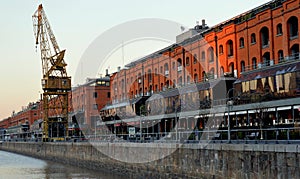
(95, 128)
(166, 127)
(229, 106)
(176, 123)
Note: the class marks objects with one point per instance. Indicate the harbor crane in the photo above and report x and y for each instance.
(55, 81)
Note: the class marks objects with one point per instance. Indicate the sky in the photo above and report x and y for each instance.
(76, 24)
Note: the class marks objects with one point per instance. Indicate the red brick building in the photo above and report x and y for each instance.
(85, 102)
(88, 99)
(261, 37)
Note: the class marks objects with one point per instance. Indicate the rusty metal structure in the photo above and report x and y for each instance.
(55, 82)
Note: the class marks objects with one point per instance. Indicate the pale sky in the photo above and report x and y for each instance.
(76, 24)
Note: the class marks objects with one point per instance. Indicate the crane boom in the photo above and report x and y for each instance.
(55, 81)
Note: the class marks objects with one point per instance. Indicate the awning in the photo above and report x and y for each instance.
(270, 71)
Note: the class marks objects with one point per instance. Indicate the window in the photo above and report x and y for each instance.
(221, 49)
(254, 63)
(180, 81)
(187, 61)
(211, 73)
(280, 56)
(166, 67)
(203, 56)
(242, 42)
(204, 76)
(264, 34)
(279, 29)
(266, 59)
(293, 27)
(188, 79)
(173, 65)
(222, 71)
(179, 62)
(149, 75)
(253, 38)
(95, 95)
(242, 66)
(196, 78)
(155, 70)
(211, 54)
(294, 51)
(195, 58)
(161, 69)
(179, 65)
(108, 94)
(229, 48)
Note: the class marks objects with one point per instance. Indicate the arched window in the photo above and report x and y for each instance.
(253, 38)
(179, 62)
(174, 83)
(211, 73)
(203, 56)
(229, 48)
(161, 70)
(222, 71)
(155, 71)
(180, 80)
(149, 75)
(280, 56)
(266, 59)
(242, 42)
(264, 34)
(279, 29)
(221, 51)
(195, 58)
(211, 54)
(204, 76)
(293, 27)
(294, 52)
(254, 63)
(242, 66)
(196, 78)
(187, 61)
(166, 67)
(188, 79)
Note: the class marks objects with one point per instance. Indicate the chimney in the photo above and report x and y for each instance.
(106, 72)
(203, 23)
(119, 68)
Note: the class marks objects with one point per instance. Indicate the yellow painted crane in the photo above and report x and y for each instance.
(55, 82)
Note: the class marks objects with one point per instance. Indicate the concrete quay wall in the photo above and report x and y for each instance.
(188, 161)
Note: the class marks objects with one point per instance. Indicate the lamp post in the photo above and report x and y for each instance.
(95, 129)
(176, 123)
(166, 127)
(229, 106)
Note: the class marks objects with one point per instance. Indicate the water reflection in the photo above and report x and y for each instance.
(13, 166)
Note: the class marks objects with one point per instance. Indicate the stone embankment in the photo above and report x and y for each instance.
(187, 161)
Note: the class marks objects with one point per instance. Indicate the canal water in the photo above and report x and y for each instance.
(14, 166)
